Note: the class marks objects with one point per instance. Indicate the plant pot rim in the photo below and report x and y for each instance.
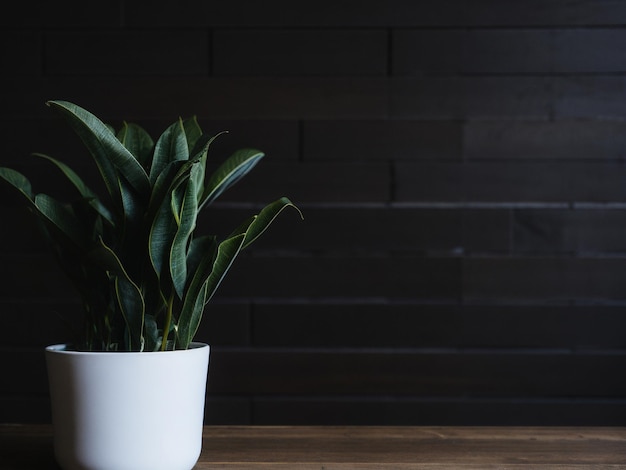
(67, 348)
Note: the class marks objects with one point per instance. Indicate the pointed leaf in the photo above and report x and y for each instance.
(164, 228)
(203, 285)
(171, 146)
(161, 238)
(134, 205)
(104, 147)
(259, 223)
(201, 249)
(138, 142)
(203, 143)
(18, 181)
(192, 132)
(81, 186)
(200, 154)
(187, 223)
(128, 295)
(132, 307)
(231, 171)
(187, 331)
(61, 217)
(151, 333)
(163, 186)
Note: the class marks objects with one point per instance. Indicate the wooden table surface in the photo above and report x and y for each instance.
(29, 447)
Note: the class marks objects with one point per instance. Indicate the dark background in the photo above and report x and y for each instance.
(461, 169)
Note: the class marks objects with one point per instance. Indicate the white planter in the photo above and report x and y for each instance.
(127, 410)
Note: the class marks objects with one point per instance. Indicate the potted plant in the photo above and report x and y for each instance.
(130, 394)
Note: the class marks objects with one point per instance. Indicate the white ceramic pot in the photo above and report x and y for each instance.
(127, 410)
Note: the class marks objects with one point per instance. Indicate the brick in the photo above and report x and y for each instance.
(313, 182)
(225, 324)
(208, 98)
(354, 229)
(592, 231)
(545, 278)
(173, 53)
(590, 97)
(417, 325)
(425, 411)
(427, 52)
(432, 182)
(281, 13)
(380, 229)
(220, 410)
(469, 52)
(278, 139)
(576, 50)
(519, 181)
(506, 374)
(280, 276)
(588, 139)
(486, 231)
(584, 327)
(253, 52)
(71, 13)
(382, 140)
(471, 97)
(539, 13)
(518, 51)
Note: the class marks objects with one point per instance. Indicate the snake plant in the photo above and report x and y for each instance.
(143, 275)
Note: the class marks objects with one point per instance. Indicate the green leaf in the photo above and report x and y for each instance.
(164, 226)
(105, 148)
(171, 146)
(202, 145)
(227, 251)
(164, 184)
(18, 181)
(82, 188)
(192, 132)
(132, 307)
(200, 154)
(186, 225)
(130, 236)
(61, 217)
(151, 333)
(128, 295)
(229, 172)
(201, 249)
(186, 331)
(161, 238)
(204, 282)
(255, 226)
(138, 142)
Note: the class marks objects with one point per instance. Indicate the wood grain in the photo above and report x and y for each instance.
(26, 447)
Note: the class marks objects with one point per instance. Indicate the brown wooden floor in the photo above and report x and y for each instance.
(29, 447)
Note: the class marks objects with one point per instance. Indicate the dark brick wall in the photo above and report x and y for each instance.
(460, 165)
